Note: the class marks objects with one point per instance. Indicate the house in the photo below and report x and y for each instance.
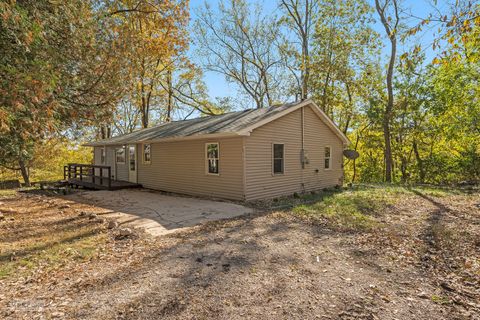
(244, 155)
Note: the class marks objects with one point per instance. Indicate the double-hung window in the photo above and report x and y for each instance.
(213, 158)
(278, 158)
(120, 155)
(102, 155)
(328, 157)
(147, 153)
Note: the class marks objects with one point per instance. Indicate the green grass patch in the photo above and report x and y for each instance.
(427, 190)
(6, 270)
(358, 207)
(440, 299)
(53, 256)
(7, 193)
(353, 209)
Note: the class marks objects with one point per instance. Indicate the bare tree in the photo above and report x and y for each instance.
(238, 42)
(390, 22)
(300, 15)
(127, 117)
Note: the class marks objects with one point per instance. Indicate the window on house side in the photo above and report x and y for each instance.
(120, 155)
(146, 153)
(328, 157)
(102, 155)
(213, 158)
(278, 158)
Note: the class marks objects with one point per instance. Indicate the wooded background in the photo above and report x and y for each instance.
(77, 70)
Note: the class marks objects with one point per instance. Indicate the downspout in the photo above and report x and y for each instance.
(244, 160)
(303, 139)
(302, 152)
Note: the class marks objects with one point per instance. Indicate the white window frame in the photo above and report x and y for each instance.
(273, 160)
(124, 155)
(207, 158)
(143, 153)
(329, 158)
(103, 155)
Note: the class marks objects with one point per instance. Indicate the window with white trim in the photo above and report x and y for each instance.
(278, 158)
(213, 158)
(147, 153)
(120, 155)
(102, 155)
(328, 157)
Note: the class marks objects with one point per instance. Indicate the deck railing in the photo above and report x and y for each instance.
(88, 172)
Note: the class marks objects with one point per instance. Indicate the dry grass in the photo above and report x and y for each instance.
(36, 233)
(413, 255)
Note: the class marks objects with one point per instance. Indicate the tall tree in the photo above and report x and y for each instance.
(155, 38)
(344, 47)
(390, 22)
(301, 17)
(239, 42)
(58, 71)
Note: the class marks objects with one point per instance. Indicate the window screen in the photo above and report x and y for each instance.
(328, 157)
(120, 155)
(146, 153)
(132, 159)
(102, 155)
(278, 158)
(213, 158)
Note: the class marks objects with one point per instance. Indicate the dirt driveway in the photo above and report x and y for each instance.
(418, 260)
(157, 213)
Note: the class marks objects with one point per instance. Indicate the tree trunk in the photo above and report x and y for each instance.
(302, 25)
(105, 132)
(24, 171)
(305, 68)
(403, 168)
(267, 89)
(387, 116)
(391, 33)
(170, 96)
(144, 109)
(421, 168)
(349, 115)
(357, 139)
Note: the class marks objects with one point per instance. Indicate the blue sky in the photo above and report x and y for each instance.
(219, 87)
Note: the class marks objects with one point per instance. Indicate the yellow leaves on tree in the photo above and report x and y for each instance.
(154, 35)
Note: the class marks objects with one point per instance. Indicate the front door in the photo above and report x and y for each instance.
(132, 163)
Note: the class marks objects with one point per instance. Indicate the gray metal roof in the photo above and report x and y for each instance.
(230, 122)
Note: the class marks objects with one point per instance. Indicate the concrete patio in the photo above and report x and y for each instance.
(156, 212)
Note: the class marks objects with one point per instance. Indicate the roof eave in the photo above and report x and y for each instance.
(169, 139)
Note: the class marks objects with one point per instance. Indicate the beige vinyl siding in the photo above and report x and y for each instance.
(317, 137)
(119, 171)
(97, 155)
(110, 154)
(181, 167)
(97, 158)
(260, 181)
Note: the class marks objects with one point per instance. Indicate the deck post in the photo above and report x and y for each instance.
(101, 176)
(109, 178)
(81, 173)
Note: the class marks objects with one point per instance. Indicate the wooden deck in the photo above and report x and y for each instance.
(95, 183)
(93, 177)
